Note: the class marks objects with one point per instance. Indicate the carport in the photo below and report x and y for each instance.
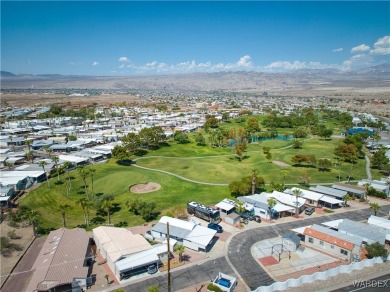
(226, 206)
(282, 209)
(330, 202)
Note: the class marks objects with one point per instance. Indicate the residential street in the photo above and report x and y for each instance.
(239, 254)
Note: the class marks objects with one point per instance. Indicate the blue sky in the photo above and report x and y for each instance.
(138, 38)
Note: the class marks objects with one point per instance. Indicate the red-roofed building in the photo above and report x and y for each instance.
(333, 242)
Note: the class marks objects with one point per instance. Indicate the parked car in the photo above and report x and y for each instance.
(309, 210)
(257, 219)
(216, 227)
(152, 269)
(148, 235)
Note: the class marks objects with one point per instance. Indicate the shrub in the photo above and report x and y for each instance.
(376, 250)
(373, 192)
(362, 200)
(212, 287)
(328, 211)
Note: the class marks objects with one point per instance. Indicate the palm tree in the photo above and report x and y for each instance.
(107, 205)
(179, 249)
(367, 187)
(271, 203)
(63, 208)
(84, 174)
(30, 155)
(48, 150)
(346, 199)
(8, 164)
(254, 176)
(240, 207)
(28, 143)
(10, 137)
(212, 138)
(55, 159)
(297, 193)
(284, 173)
(85, 204)
(375, 207)
(66, 165)
(42, 164)
(91, 172)
(34, 217)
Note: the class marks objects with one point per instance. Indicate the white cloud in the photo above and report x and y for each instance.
(95, 63)
(360, 48)
(358, 61)
(123, 59)
(297, 65)
(337, 50)
(382, 46)
(122, 66)
(245, 61)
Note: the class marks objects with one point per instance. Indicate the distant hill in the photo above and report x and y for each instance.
(7, 74)
(298, 80)
(378, 69)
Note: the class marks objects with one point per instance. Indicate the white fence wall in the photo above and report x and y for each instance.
(320, 275)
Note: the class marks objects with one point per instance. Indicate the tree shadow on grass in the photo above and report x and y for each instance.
(125, 162)
(303, 165)
(97, 220)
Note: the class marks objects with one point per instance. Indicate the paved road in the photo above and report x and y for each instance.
(21, 276)
(185, 277)
(382, 282)
(239, 248)
(240, 256)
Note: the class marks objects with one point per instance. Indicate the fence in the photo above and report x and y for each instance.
(320, 275)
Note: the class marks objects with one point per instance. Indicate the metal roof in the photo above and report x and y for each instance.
(337, 234)
(349, 188)
(60, 260)
(173, 230)
(328, 191)
(365, 232)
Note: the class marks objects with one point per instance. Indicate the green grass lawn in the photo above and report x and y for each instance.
(112, 178)
(200, 163)
(224, 169)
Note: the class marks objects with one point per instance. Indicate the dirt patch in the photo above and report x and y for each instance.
(145, 188)
(25, 237)
(280, 163)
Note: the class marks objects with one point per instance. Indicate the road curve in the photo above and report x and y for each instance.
(239, 250)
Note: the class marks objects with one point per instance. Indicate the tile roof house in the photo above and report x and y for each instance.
(333, 242)
(62, 261)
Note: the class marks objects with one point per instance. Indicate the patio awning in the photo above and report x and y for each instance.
(281, 207)
(330, 200)
(224, 206)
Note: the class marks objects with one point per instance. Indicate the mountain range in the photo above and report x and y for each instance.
(307, 79)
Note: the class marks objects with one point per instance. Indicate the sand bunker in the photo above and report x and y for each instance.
(280, 163)
(145, 188)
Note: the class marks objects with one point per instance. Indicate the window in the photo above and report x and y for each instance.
(343, 251)
(332, 246)
(321, 242)
(311, 240)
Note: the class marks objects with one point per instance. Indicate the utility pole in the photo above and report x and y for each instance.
(169, 260)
